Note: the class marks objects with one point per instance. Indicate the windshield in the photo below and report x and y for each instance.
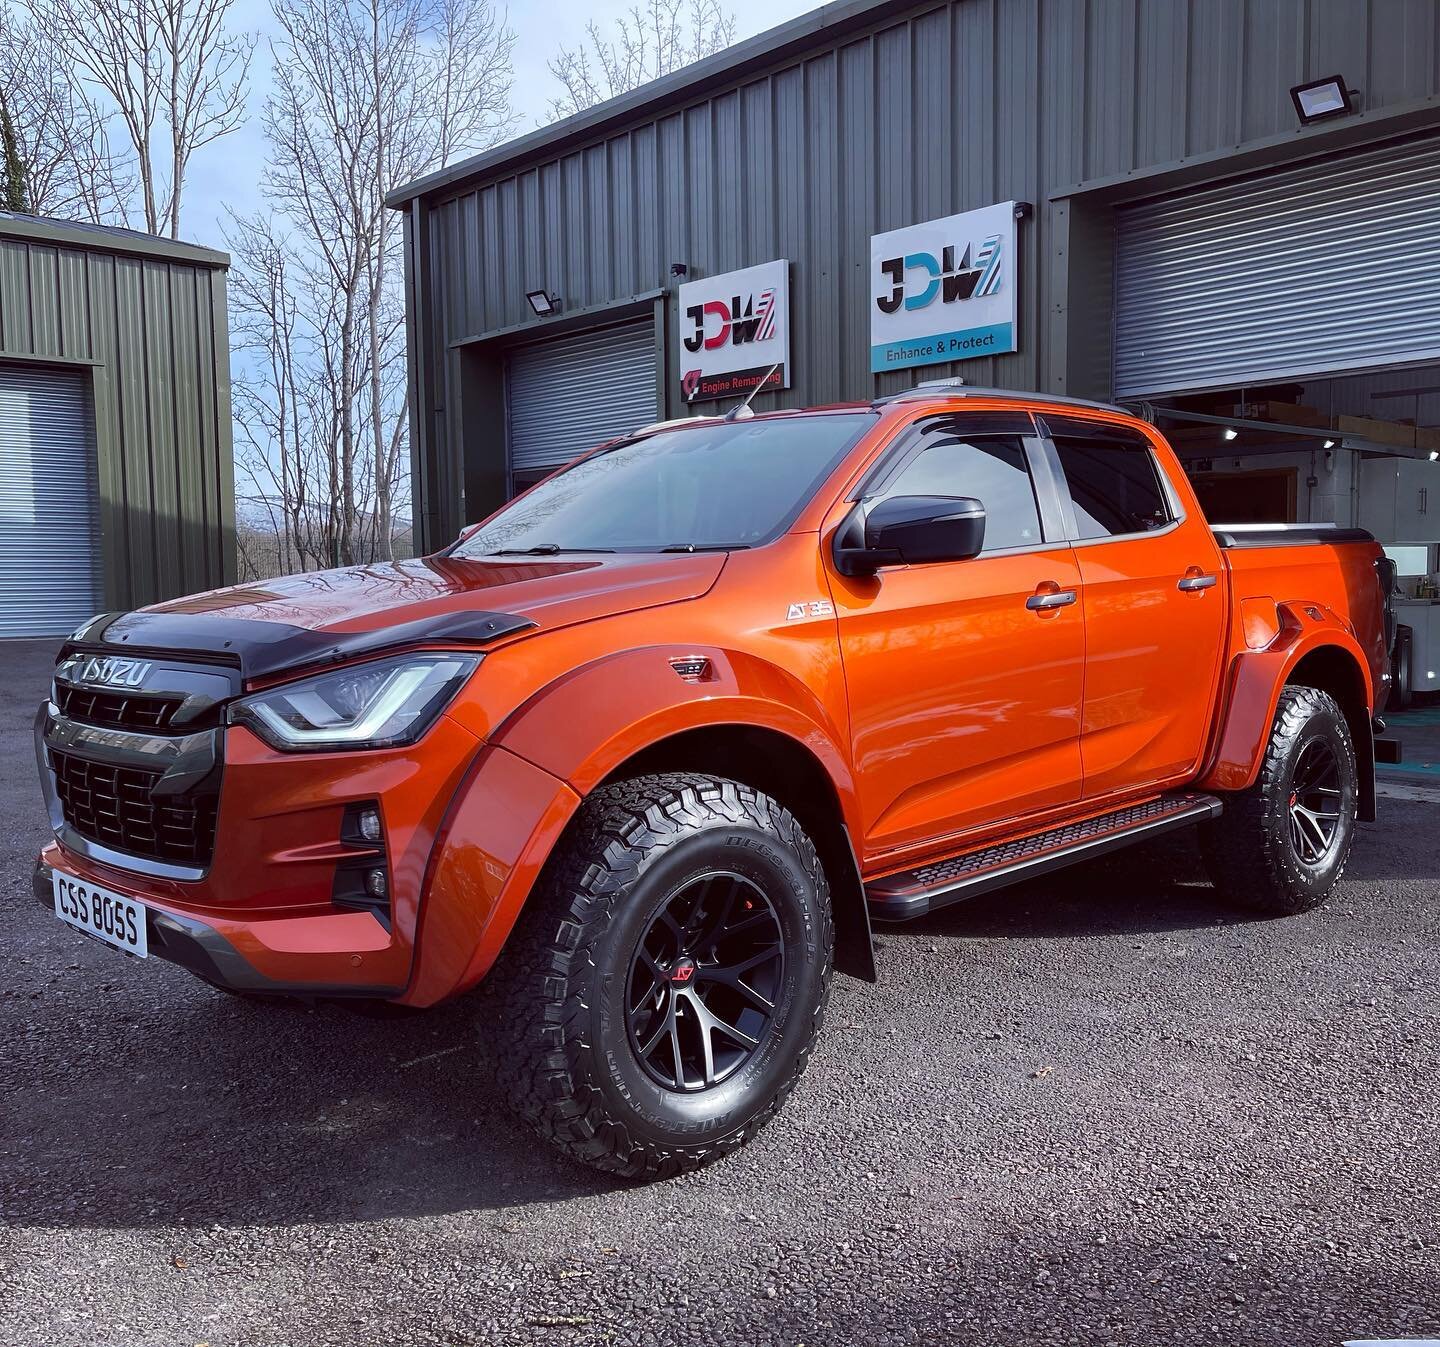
(718, 485)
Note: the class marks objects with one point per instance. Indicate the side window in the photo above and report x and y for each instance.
(990, 468)
(1113, 479)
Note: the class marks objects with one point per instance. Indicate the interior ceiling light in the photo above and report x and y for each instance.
(542, 303)
(1321, 99)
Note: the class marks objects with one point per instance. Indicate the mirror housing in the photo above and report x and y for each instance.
(909, 531)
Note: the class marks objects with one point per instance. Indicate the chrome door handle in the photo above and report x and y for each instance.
(1198, 581)
(1060, 598)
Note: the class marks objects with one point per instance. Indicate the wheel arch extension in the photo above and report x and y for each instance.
(1326, 657)
(790, 773)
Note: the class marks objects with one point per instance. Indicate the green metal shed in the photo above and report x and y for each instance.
(116, 476)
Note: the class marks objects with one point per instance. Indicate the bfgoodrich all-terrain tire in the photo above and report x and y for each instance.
(664, 987)
(1280, 847)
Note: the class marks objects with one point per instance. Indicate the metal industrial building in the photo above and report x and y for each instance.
(1173, 217)
(115, 441)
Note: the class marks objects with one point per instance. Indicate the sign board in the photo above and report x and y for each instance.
(733, 328)
(944, 290)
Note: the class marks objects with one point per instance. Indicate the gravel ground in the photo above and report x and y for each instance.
(1100, 1109)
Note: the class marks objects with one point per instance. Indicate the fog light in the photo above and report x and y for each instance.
(375, 884)
(370, 825)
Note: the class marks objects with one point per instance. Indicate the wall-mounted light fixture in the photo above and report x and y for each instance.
(542, 303)
(1230, 432)
(1435, 455)
(1329, 444)
(1322, 99)
(679, 269)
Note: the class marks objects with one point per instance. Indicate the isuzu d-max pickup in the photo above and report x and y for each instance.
(649, 749)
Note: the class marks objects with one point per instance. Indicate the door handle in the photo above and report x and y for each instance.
(1193, 582)
(1055, 598)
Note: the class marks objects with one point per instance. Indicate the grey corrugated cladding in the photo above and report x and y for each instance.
(862, 117)
(146, 317)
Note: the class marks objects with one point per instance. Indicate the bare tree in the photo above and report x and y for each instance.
(61, 138)
(648, 42)
(368, 93)
(173, 73)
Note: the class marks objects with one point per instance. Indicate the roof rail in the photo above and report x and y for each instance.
(958, 388)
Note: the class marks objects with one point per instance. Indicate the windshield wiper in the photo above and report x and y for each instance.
(542, 550)
(707, 547)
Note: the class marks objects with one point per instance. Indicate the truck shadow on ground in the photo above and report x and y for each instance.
(137, 1097)
(1160, 886)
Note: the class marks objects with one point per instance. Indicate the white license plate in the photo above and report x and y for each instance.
(109, 916)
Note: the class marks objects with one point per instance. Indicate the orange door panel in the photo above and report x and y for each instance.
(964, 702)
(1155, 652)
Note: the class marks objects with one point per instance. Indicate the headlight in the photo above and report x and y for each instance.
(376, 705)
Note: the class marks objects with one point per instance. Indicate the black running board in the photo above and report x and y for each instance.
(914, 893)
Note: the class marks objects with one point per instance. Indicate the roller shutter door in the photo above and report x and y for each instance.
(49, 534)
(1329, 267)
(570, 394)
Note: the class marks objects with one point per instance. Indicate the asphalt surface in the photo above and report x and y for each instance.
(1100, 1109)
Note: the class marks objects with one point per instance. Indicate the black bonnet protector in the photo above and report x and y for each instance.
(264, 649)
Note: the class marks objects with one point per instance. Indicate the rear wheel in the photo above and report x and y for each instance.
(664, 988)
(1280, 847)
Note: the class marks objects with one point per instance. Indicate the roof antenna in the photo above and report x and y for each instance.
(743, 412)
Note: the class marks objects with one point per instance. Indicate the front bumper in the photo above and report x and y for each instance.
(206, 952)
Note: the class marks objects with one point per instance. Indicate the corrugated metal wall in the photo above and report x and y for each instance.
(150, 329)
(924, 111)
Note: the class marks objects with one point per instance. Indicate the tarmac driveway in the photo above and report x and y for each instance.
(1100, 1109)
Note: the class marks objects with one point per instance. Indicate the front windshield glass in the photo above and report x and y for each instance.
(715, 485)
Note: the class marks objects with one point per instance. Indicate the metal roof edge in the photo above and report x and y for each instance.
(106, 238)
(771, 45)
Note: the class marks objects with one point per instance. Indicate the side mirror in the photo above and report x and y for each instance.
(909, 530)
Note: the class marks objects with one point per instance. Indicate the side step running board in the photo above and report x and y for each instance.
(913, 893)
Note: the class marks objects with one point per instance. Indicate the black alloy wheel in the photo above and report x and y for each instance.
(662, 992)
(1315, 800)
(704, 981)
(1280, 846)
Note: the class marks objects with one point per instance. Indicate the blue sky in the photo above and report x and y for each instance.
(226, 173)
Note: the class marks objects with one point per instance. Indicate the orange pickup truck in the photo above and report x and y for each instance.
(651, 747)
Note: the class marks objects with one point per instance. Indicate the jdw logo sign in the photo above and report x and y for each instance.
(736, 323)
(917, 278)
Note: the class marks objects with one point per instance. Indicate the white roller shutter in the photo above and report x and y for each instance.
(569, 394)
(49, 535)
(1328, 267)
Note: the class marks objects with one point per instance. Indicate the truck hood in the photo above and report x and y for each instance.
(551, 592)
(321, 616)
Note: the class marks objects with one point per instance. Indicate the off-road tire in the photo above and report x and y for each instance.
(556, 1012)
(1248, 850)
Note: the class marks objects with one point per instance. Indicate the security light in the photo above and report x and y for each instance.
(542, 302)
(1434, 455)
(1321, 99)
(1230, 432)
(1329, 444)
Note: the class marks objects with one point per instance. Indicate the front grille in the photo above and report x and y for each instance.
(115, 710)
(112, 805)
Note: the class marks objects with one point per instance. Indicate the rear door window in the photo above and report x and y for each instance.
(949, 461)
(1113, 479)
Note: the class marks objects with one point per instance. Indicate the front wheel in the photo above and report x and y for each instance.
(662, 993)
(1280, 847)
